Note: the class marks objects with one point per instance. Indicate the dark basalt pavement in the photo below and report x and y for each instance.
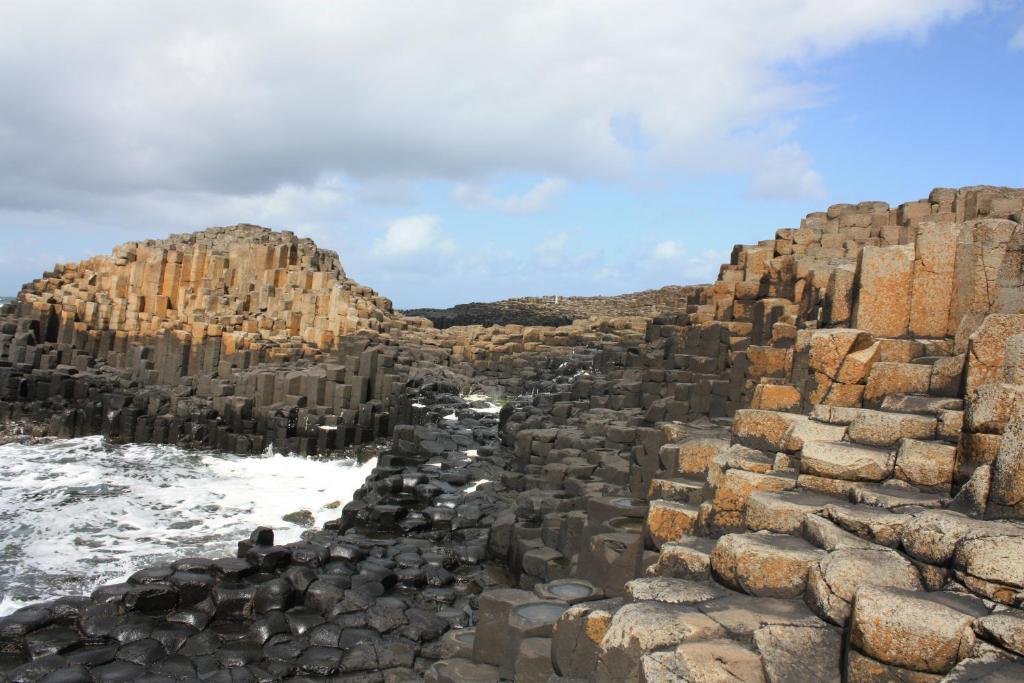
(367, 598)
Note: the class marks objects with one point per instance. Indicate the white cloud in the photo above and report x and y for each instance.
(241, 97)
(414, 236)
(1017, 41)
(564, 250)
(537, 198)
(666, 251)
(786, 172)
(669, 261)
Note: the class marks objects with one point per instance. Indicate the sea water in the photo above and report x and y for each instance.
(78, 513)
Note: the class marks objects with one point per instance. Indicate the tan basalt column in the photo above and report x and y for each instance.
(885, 275)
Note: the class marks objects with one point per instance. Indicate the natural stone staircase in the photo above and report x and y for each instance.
(778, 496)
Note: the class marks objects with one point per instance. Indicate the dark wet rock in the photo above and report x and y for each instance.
(231, 569)
(193, 587)
(309, 554)
(268, 625)
(269, 558)
(276, 594)
(142, 652)
(301, 619)
(204, 643)
(92, 655)
(300, 577)
(173, 635)
(117, 671)
(301, 517)
(50, 640)
(37, 669)
(284, 647)
(323, 595)
(237, 655)
(195, 618)
(321, 661)
(193, 564)
(72, 674)
(174, 666)
(262, 535)
(151, 575)
(233, 601)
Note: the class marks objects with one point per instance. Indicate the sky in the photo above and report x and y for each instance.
(477, 150)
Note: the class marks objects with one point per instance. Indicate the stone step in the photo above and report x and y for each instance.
(845, 461)
(784, 512)
(677, 489)
(887, 378)
(894, 495)
(669, 521)
(764, 563)
(687, 558)
(920, 404)
(884, 429)
(669, 626)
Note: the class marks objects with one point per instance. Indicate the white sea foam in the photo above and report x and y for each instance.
(80, 512)
(491, 406)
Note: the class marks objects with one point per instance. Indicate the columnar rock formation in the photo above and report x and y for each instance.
(812, 469)
(248, 282)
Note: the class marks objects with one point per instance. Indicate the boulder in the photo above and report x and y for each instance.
(833, 582)
(644, 627)
(764, 563)
(792, 653)
(924, 632)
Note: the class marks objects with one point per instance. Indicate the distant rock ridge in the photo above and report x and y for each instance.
(244, 279)
(558, 310)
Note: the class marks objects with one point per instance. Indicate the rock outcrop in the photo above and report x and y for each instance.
(810, 469)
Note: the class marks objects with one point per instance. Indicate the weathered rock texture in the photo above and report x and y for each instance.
(808, 470)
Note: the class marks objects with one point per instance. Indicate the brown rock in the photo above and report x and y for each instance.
(667, 521)
(764, 564)
(713, 661)
(885, 276)
(576, 638)
(800, 653)
(830, 347)
(1008, 470)
(986, 356)
(895, 378)
(644, 627)
(911, 630)
(837, 460)
(761, 429)
(927, 464)
(833, 582)
(1003, 628)
(886, 429)
(932, 287)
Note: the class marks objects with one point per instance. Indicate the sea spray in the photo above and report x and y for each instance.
(82, 512)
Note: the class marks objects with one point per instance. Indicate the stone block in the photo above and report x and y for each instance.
(932, 286)
(833, 582)
(884, 276)
(644, 627)
(927, 632)
(895, 378)
(764, 564)
(926, 464)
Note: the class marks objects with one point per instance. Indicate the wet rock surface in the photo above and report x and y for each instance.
(369, 597)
